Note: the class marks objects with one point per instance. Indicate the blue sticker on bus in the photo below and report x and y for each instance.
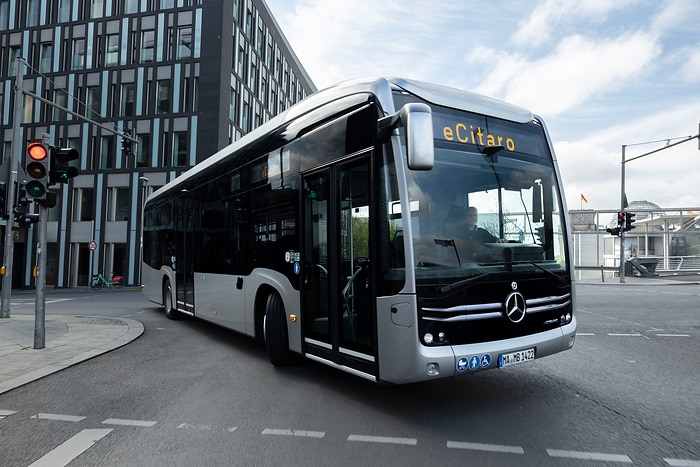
(474, 362)
(297, 268)
(486, 360)
(462, 364)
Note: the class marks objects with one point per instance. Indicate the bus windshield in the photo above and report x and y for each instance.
(486, 208)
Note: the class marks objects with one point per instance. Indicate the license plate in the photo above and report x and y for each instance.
(515, 358)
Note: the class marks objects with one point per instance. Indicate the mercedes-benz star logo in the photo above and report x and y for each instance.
(515, 307)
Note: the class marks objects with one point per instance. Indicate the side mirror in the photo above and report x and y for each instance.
(417, 119)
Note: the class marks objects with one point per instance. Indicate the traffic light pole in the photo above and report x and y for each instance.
(623, 198)
(16, 155)
(40, 304)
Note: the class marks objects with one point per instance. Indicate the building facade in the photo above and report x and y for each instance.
(184, 77)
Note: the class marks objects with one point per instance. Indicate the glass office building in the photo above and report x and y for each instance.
(185, 77)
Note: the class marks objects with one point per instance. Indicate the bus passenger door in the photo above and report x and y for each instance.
(339, 313)
(184, 264)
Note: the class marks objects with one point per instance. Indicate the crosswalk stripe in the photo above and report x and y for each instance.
(78, 444)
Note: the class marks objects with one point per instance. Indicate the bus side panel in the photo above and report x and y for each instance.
(290, 297)
(402, 359)
(152, 280)
(221, 301)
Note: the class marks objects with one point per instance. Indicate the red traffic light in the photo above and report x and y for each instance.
(37, 151)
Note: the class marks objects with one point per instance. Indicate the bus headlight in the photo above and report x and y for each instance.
(428, 338)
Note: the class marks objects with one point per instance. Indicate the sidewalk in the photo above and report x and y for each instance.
(643, 281)
(68, 341)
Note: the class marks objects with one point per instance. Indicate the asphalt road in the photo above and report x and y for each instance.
(190, 393)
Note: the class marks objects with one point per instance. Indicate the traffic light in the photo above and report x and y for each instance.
(3, 200)
(613, 231)
(127, 147)
(620, 219)
(22, 194)
(61, 170)
(25, 219)
(629, 220)
(37, 169)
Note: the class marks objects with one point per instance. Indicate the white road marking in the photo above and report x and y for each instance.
(383, 439)
(681, 462)
(58, 417)
(634, 334)
(6, 413)
(190, 426)
(286, 432)
(123, 422)
(585, 334)
(486, 447)
(592, 456)
(66, 452)
(673, 335)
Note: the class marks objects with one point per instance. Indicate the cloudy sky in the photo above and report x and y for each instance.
(601, 73)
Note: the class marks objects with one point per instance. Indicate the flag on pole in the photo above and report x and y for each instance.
(583, 198)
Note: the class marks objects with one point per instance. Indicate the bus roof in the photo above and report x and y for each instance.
(381, 88)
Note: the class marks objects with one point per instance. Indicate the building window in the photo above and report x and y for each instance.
(12, 56)
(127, 100)
(60, 97)
(143, 151)
(93, 106)
(32, 12)
(163, 96)
(83, 204)
(112, 55)
(78, 62)
(147, 45)
(97, 8)
(117, 204)
(45, 57)
(184, 42)
(107, 153)
(64, 10)
(131, 6)
(4, 8)
(180, 148)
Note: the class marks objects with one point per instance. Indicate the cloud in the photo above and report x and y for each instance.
(552, 15)
(576, 70)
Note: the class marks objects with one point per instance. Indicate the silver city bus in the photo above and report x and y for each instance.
(393, 229)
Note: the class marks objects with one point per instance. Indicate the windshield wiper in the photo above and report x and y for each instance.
(463, 282)
(556, 276)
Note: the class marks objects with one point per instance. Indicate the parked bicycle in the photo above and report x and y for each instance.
(99, 281)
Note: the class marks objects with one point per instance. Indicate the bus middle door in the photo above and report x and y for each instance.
(184, 268)
(339, 313)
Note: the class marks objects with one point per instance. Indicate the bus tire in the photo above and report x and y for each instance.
(170, 312)
(275, 324)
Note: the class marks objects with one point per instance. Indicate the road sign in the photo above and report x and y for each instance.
(92, 245)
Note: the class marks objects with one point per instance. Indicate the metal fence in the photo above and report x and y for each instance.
(664, 241)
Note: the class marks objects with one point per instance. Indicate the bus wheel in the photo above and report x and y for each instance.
(170, 312)
(275, 325)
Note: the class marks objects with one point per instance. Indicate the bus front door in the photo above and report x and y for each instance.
(339, 313)
(184, 264)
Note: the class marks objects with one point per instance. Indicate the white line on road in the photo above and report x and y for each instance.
(486, 447)
(592, 456)
(634, 334)
(58, 417)
(383, 439)
(672, 335)
(681, 462)
(72, 448)
(122, 422)
(300, 433)
(6, 413)
(585, 334)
